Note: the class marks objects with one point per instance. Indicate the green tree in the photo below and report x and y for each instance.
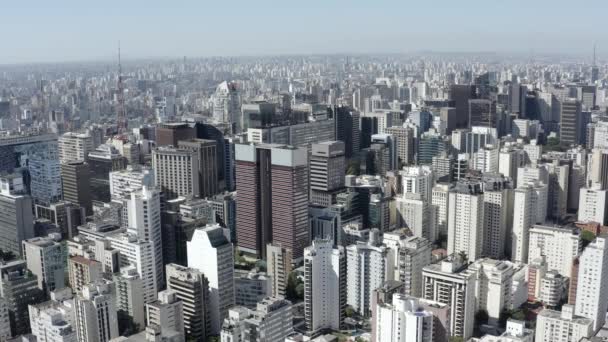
(353, 167)
(349, 311)
(587, 237)
(126, 325)
(456, 339)
(292, 288)
(463, 256)
(481, 317)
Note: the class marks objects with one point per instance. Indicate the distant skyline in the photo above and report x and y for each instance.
(70, 30)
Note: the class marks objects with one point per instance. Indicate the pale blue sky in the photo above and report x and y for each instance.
(68, 30)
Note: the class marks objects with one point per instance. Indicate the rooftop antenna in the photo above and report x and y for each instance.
(594, 54)
(121, 118)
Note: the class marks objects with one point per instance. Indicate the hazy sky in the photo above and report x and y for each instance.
(68, 30)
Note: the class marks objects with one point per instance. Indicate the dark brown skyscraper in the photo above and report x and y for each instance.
(461, 94)
(170, 133)
(272, 183)
(76, 179)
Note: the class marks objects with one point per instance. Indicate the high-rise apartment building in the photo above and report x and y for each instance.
(466, 219)
(54, 320)
(96, 319)
(592, 292)
(593, 206)
(83, 271)
(19, 288)
(16, 219)
(368, 266)
(559, 245)
(74, 146)
(404, 141)
(564, 326)
(129, 294)
(176, 171)
(403, 320)
(273, 198)
(529, 208)
(213, 255)
(167, 312)
(450, 282)
(324, 286)
(409, 255)
(191, 287)
(278, 266)
(45, 258)
(133, 178)
(494, 283)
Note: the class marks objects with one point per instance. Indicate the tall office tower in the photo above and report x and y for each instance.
(404, 141)
(442, 166)
(466, 219)
(168, 134)
(347, 130)
(403, 320)
(228, 166)
(191, 287)
(250, 287)
(486, 159)
(450, 282)
(593, 206)
(227, 106)
(212, 254)
(532, 173)
(54, 320)
(129, 295)
(417, 180)
(576, 182)
(588, 96)
(529, 208)
(482, 113)
(277, 216)
(533, 152)
(65, 215)
(271, 321)
(570, 121)
(477, 138)
(23, 145)
(278, 266)
(74, 146)
(598, 168)
(599, 138)
(461, 94)
(103, 160)
(368, 266)
(167, 312)
(75, 177)
(46, 259)
(415, 214)
(136, 251)
(447, 115)
(409, 254)
(439, 210)
(45, 178)
(143, 212)
(96, 312)
(16, 219)
(324, 286)
(496, 210)
(129, 150)
(517, 95)
(207, 164)
(592, 295)
(19, 288)
(559, 245)
(327, 170)
(557, 204)
(133, 178)
(562, 326)
(431, 144)
(176, 171)
(388, 141)
(83, 271)
(494, 284)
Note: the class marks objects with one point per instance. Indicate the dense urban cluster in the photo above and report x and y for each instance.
(357, 198)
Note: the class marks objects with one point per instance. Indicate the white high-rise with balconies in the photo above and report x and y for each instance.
(529, 208)
(559, 245)
(74, 146)
(96, 319)
(593, 206)
(368, 266)
(403, 321)
(465, 219)
(592, 289)
(210, 252)
(143, 211)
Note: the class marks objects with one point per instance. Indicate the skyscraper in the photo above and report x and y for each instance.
(46, 259)
(207, 164)
(324, 286)
(16, 219)
(96, 313)
(176, 171)
(327, 166)
(75, 177)
(465, 219)
(273, 198)
(212, 254)
(461, 94)
(570, 121)
(592, 292)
